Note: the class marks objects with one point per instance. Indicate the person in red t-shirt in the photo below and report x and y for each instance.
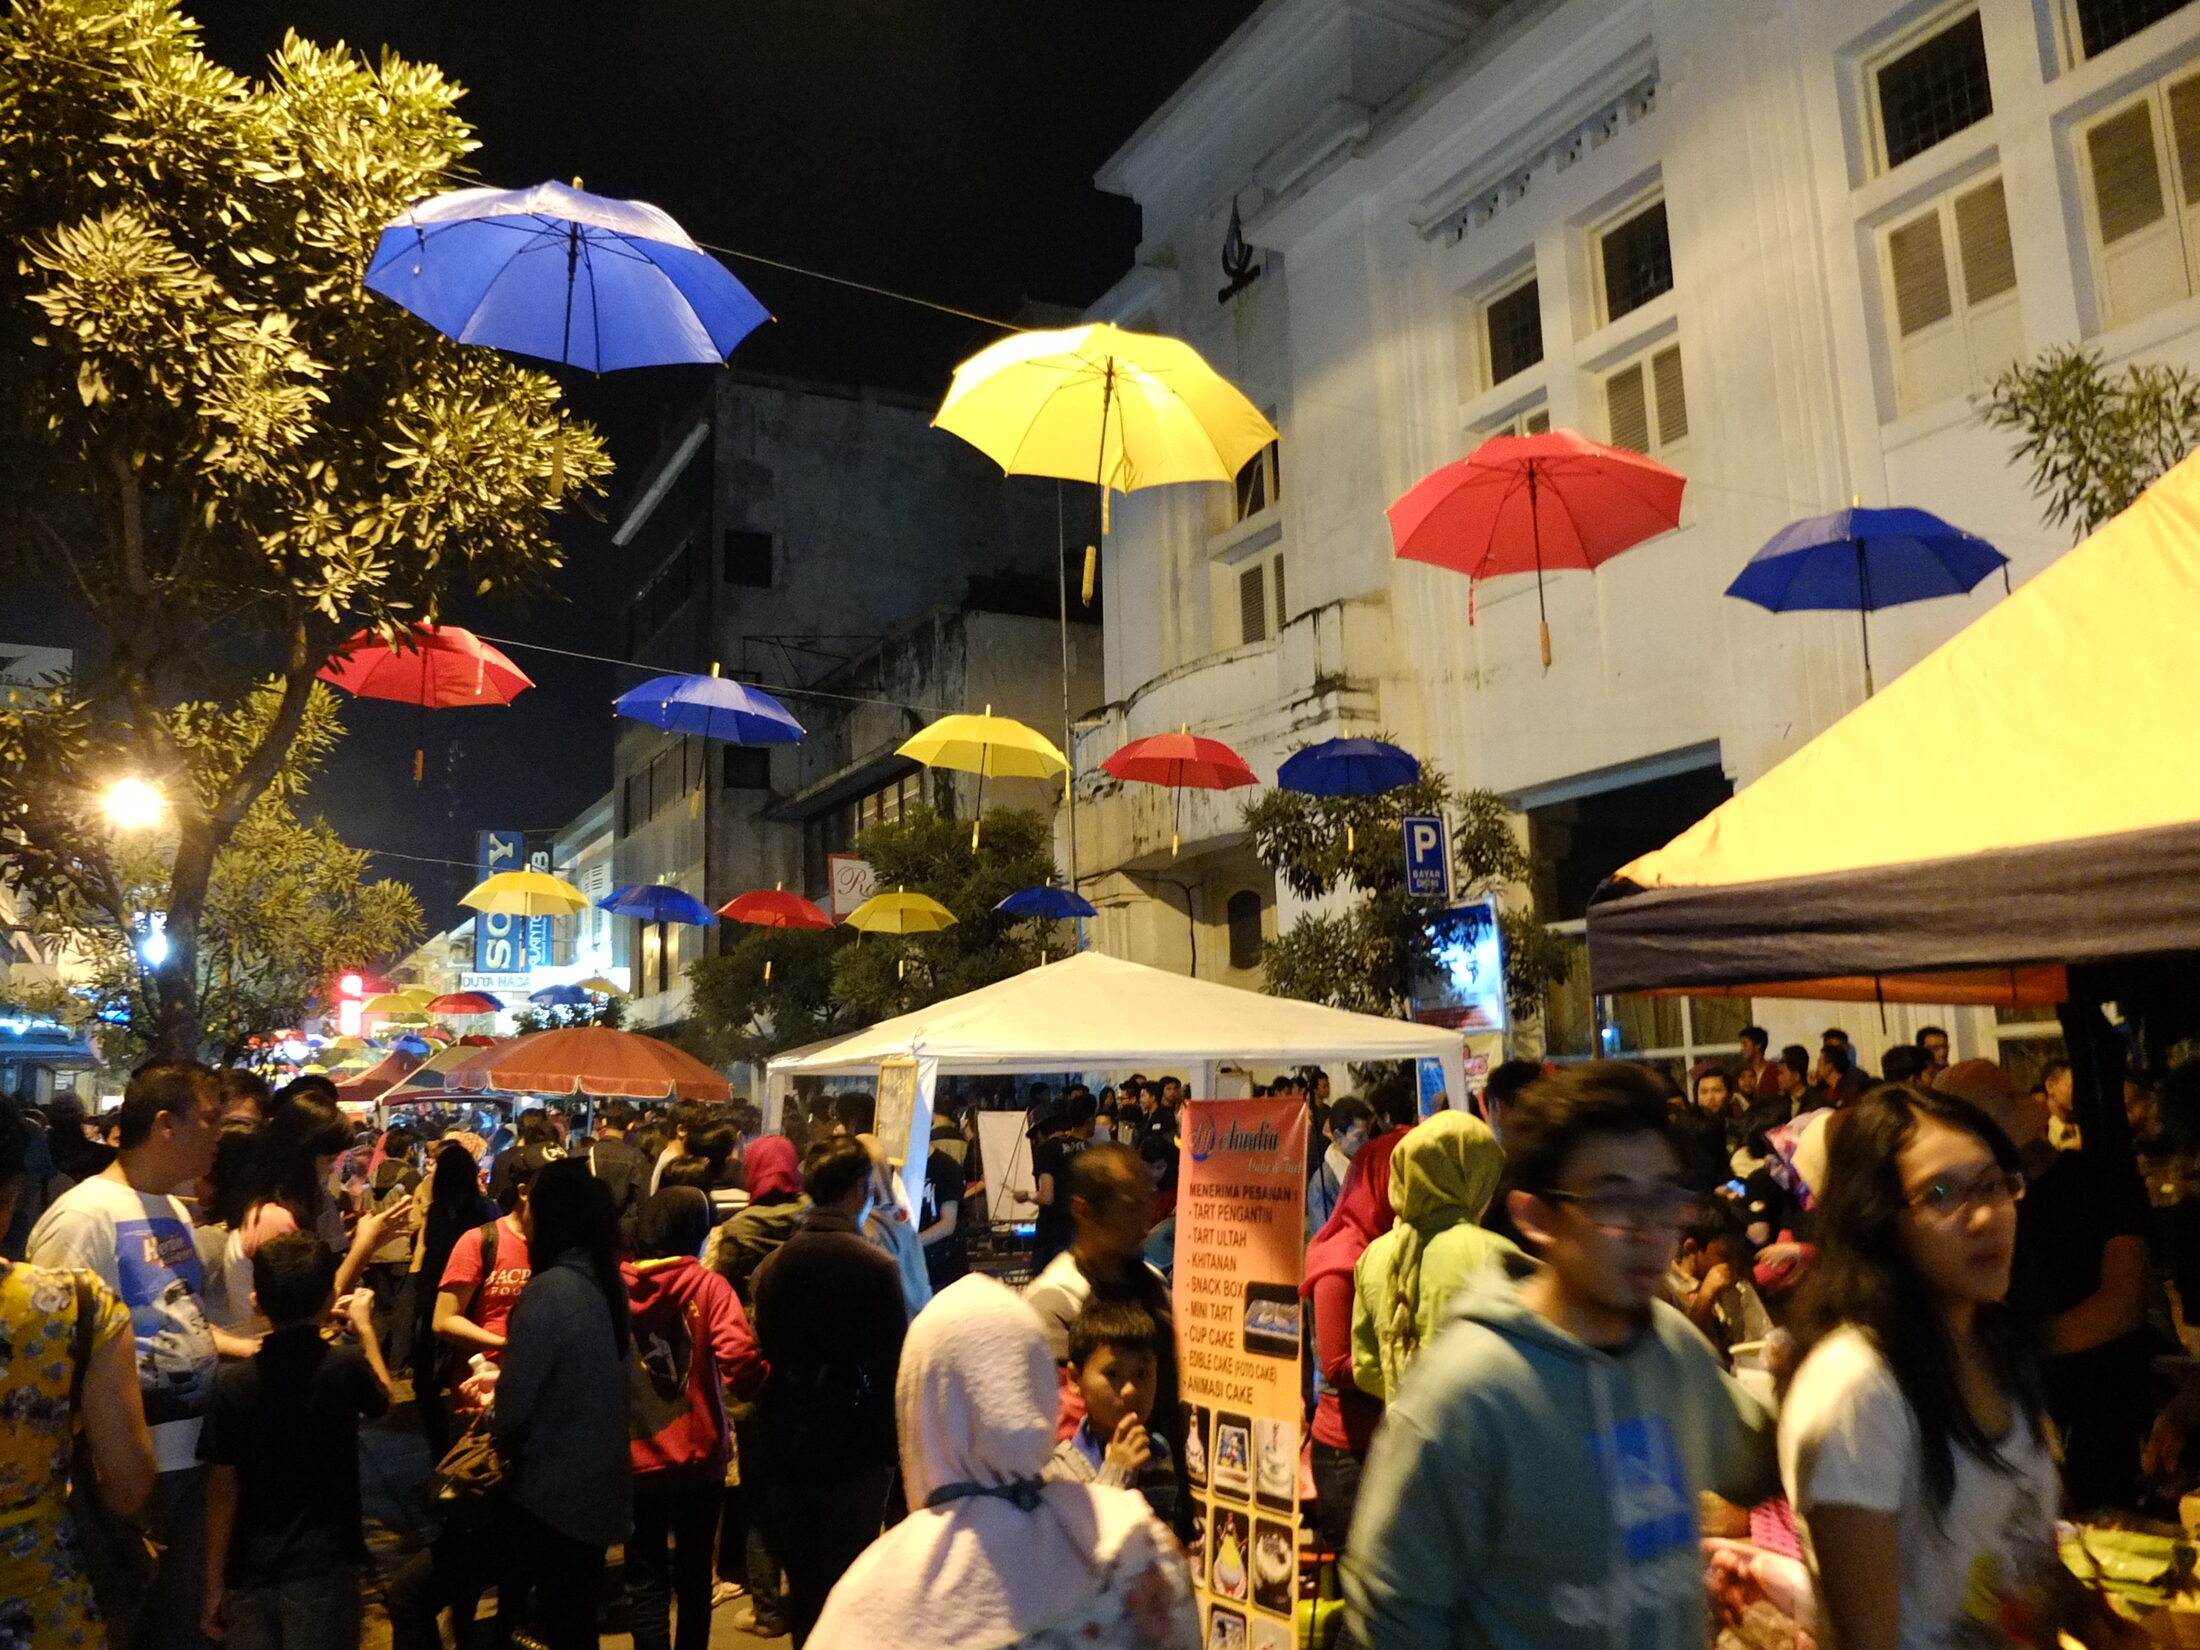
(472, 1309)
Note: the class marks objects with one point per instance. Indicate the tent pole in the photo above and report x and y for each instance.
(1864, 613)
(1069, 732)
(1535, 528)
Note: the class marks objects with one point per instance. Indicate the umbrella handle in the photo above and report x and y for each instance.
(1535, 528)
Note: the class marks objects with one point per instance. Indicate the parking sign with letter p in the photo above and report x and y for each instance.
(1428, 857)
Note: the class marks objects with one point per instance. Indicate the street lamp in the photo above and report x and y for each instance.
(133, 805)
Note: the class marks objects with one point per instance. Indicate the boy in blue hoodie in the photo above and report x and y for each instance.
(1534, 1484)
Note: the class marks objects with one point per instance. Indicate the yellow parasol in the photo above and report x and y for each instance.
(419, 996)
(988, 746)
(525, 894)
(345, 1044)
(392, 1003)
(900, 913)
(602, 987)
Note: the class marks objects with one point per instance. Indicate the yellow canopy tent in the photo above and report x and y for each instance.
(2028, 794)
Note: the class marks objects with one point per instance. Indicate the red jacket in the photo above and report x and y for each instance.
(673, 1300)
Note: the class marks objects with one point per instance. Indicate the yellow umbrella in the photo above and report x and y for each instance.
(1122, 409)
(901, 913)
(525, 894)
(602, 987)
(345, 1044)
(987, 745)
(419, 996)
(392, 1002)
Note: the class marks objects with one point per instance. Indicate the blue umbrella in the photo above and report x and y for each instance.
(715, 707)
(1052, 904)
(409, 1044)
(657, 902)
(566, 276)
(1858, 561)
(560, 996)
(1348, 767)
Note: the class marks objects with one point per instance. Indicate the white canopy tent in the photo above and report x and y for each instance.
(1094, 1013)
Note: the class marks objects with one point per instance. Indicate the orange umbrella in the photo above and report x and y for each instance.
(590, 1060)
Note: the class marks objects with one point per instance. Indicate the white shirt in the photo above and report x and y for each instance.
(1849, 1438)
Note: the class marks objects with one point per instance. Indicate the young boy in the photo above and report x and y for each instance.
(281, 1439)
(1535, 1481)
(1114, 1359)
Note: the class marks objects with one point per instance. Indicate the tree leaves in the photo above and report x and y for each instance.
(2094, 442)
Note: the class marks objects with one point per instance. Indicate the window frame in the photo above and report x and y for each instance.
(2181, 217)
(2068, 13)
(1610, 224)
(1486, 354)
(1644, 356)
(1268, 465)
(1966, 317)
(1928, 29)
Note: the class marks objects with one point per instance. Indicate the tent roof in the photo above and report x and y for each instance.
(1097, 1011)
(2028, 793)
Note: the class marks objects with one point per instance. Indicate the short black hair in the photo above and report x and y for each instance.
(1757, 1035)
(1347, 1110)
(1903, 1063)
(1083, 1108)
(1796, 1058)
(311, 1083)
(1839, 1056)
(2052, 1070)
(714, 1143)
(1103, 1171)
(535, 1128)
(856, 1112)
(524, 1161)
(691, 1114)
(1557, 1116)
(163, 1085)
(699, 1173)
(1123, 1325)
(241, 1084)
(1508, 1078)
(832, 1166)
(615, 1114)
(292, 1274)
(745, 1120)
(1833, 1034)
(1924, 1032)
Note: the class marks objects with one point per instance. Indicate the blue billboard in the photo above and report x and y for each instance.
(500, 942)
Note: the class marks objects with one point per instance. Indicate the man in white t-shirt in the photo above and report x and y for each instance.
(125, 1224)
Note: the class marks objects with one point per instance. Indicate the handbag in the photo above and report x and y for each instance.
(469, 1481)
(120, 1560)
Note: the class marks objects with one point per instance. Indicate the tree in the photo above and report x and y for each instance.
(824, 983)
(218, 440)
(2094, 440)
(288, 903)
(1366, 957)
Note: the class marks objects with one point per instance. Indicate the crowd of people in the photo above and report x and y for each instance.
(1560, 1358)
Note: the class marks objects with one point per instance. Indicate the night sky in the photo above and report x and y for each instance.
(939, 147)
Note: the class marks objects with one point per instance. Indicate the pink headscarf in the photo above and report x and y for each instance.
(1363, 1213)
(770, 1166)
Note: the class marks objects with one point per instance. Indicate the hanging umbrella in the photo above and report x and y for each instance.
(597, 986)
(525, 894)
(774, 909)
(413, 1044)
(476, 1039)
(1858, 561)
(1524, 503)
(435, 1034)
(658, 903)
(344, 1045)
(465, 1002)
(1124, 410)
(1348, 767)
(394, 1003)
(591, 1060)
(1182, 761)
(712, 707)
(1046, 904)
(570, 277)
(437, 667)
(901, 913)
(559, 996)
(988, 745)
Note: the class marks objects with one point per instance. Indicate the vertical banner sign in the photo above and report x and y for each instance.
(538, 928)
(1240, 1253)
(496, 938)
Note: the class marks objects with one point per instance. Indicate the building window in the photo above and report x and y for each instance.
(1263, 606)
(1952, 295)
(1932, 90)
(2096, 25)
(748, 768)
(1635, 261)
(666, 778)
(747, 558)
(662, 597)
(1243, 912)
(1260, 483)
(891, 801)
(1534, 421)
(2142, 167)
(1646, 403)
(1512, 332)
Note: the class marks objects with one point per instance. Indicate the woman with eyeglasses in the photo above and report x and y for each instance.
(1911, 1439)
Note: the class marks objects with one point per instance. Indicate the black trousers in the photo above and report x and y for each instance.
(449, 1574)
(547, 1582)
(816, 1529)
(668, 1562)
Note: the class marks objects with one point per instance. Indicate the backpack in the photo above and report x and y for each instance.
(674, 1421)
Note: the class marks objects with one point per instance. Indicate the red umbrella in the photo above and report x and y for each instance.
(590, 1060)
(1524, 503)
(475, 1039)
(774, 908)
(437, 667)
(1182, 761)
(464, 1002)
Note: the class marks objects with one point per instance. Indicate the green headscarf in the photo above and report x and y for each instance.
(1443, 1174)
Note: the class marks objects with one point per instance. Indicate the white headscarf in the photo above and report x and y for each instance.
(976, 1402)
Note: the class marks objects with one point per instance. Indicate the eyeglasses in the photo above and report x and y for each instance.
(1670, 1207)
(1953, 1197)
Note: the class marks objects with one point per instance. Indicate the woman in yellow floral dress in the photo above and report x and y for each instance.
(45, 1602)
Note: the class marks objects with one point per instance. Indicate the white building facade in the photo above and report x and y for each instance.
(1781, 245)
